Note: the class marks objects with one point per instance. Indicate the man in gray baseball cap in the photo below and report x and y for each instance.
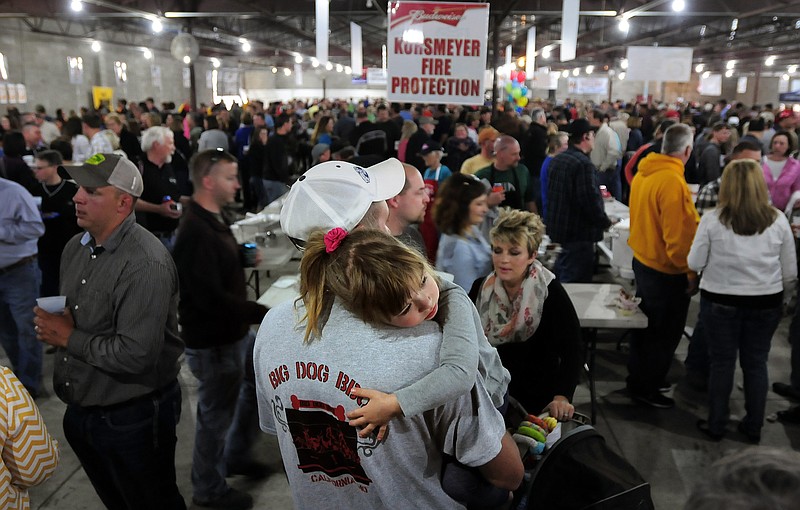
(118, 344)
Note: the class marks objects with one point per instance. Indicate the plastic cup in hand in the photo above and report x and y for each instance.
(52, 304)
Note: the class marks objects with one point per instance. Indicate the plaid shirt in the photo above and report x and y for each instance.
(575, 209)
(708, 196)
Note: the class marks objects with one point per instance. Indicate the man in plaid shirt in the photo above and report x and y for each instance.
(708, 195)
(575, 215)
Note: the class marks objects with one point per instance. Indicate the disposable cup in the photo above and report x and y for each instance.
(52, 304)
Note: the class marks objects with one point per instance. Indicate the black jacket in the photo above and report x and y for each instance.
(213, 307)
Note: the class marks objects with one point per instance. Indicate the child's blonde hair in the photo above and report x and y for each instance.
(373, 274)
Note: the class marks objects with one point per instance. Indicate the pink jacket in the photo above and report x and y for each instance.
(788, 182)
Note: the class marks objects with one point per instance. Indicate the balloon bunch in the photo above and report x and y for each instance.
(516, 91)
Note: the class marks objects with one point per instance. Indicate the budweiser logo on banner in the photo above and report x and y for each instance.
(413, 13)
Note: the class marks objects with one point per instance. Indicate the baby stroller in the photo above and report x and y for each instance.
(580, 472)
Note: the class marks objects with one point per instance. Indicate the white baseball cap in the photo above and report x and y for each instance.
(338, 194)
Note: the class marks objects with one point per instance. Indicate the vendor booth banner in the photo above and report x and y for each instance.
(436, 52)
(593, 85)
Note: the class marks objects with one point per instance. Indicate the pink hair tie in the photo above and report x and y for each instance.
(333, 238)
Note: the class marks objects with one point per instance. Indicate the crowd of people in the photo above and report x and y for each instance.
(126, 213)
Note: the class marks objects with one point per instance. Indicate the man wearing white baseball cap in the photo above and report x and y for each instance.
(341, 194)
(118, 344)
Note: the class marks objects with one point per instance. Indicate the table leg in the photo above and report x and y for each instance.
(591, 337)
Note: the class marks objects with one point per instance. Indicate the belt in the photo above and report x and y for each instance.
(157, 394)
(21, 262)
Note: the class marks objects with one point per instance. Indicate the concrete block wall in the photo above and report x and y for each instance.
(40, 62)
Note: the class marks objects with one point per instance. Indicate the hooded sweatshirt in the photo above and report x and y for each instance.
(663, 217)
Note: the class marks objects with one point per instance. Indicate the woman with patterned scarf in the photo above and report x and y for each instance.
(528, 316)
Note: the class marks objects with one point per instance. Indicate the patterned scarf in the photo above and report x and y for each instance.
(506, 322)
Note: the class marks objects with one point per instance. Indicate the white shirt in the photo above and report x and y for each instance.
(732, 264)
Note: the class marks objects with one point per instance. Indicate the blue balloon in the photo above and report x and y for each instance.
(519, 109)
(510, 98)
(515, 83)
(524, 90)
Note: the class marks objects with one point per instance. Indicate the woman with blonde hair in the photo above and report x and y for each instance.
(323, 131)
(745, 250)
(527, 315)
(408, 129)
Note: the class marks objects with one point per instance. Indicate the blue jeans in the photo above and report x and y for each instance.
(273, 190)
(610, 178)
(749, 331)
(128, 449)
(575, 263)
(794, 340)
(665, 302)
(19, 289)
(697, 361)
(226, 413)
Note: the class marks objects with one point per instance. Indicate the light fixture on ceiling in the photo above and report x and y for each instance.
(187, 59)
(734, 24)
(770, 60)
(576, 72)
(147, 53)
(624, 63)
(328, 66)
(565, 73)
(245, 45)
(95, 46)
(730, 64)
(348, 70)
(678, 5)
(792, 69)
(521, 62)
(287, 71)
(589, 69)
(621, 76)
(699, 68)
(298, 59)
(3, 70)
(624, 25)
(369, 4)
(157, 26)
(706, 74)
(274, 70)
(314, 62)
(76, 5)
(728, 73)
(339, 68)
(215, 62)
(546, 53)
(785, 77)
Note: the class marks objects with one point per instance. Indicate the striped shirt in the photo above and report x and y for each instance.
(123, 297)
(30, 455)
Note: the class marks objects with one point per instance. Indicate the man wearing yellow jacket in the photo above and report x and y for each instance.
(663, 224)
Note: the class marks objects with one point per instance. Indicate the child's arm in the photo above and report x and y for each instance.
(456, 374)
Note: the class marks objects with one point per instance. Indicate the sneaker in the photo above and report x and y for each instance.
(702, 426)
(752, 438)
(786, 390)
(656, 400)
(231, 500)
(251, 469)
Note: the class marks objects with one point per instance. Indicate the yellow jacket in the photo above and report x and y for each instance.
(663, 217)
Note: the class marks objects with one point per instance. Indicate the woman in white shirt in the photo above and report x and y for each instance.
(745, 250)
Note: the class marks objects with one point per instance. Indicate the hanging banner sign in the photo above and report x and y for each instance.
(22, 94)
(598, 85)
(437, 52)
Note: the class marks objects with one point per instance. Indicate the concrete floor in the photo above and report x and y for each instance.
(662, 444)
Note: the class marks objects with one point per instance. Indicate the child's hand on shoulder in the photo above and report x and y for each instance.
(381, 408)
